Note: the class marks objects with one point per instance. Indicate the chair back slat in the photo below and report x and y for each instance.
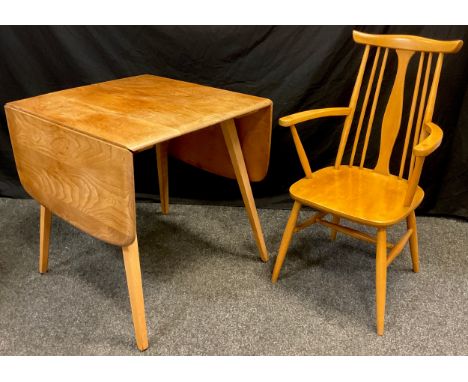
(392, 116)
(411, 117)
(374, 106)
(433, 93)
(364, 106)
(417, 167)
(422, 102)
(352, 105)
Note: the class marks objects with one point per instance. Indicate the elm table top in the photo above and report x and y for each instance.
(138, 112)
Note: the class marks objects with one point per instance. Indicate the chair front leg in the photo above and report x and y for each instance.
(287, 235)
(411, 223)
(44, 238)
(381, 279)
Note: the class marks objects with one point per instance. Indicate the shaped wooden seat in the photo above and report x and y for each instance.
(366, 194)
(357, 194)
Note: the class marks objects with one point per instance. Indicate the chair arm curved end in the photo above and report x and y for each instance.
(308, 115)
(431, 142)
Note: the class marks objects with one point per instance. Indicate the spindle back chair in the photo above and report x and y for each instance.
(372, 195)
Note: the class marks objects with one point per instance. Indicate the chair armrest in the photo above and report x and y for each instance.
(431, 142)
(313, 114)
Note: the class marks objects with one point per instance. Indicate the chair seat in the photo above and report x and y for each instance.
(362, 195)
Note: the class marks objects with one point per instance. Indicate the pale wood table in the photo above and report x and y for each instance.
(74, 154)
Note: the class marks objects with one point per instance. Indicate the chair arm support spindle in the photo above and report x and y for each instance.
(301, 152)
(291, 120)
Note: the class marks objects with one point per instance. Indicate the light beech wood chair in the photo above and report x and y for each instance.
(374, 196)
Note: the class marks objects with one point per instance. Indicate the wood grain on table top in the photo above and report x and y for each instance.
(85, 181)
(138, 112)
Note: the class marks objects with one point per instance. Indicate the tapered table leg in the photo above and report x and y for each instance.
(135, 291)
(237, 158)
(381, 279)
(287, 235)
(45, 220)
(161, 159)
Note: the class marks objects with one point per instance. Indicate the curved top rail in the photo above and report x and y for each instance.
(406, 42)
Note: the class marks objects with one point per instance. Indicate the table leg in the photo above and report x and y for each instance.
(45, 220)
(161, 159)
(135, 291)
(237, 158)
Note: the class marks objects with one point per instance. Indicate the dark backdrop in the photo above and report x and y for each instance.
(295, 66)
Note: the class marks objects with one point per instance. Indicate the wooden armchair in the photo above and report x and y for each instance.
(373, 196)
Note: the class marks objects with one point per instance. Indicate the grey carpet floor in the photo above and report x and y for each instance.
(207, 292)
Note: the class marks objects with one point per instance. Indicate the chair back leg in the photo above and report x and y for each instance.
(336, 220)
(411, 224)
(381, 279)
